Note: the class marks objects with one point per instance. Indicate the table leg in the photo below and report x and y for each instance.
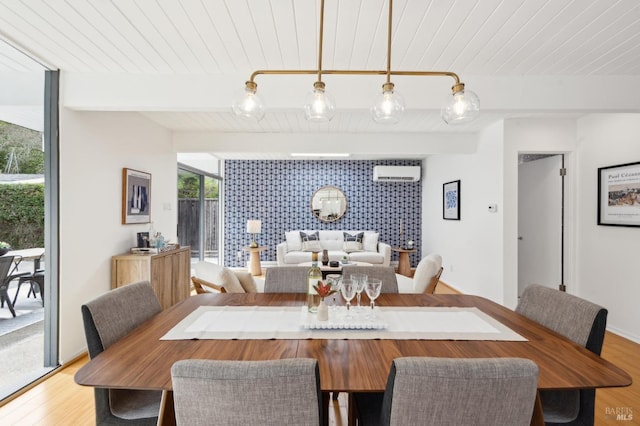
(404, 267)
(254, 263)
(537, 419)
(167, 415)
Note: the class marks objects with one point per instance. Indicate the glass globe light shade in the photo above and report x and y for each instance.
(248, 104)
(319, 105)
(461, 106)
(388, 107)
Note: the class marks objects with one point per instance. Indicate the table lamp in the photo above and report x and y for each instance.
(253, 227)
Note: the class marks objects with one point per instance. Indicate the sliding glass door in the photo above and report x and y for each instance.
(199, 213)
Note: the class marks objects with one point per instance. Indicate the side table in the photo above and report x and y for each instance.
(404, 266)
(254, 259)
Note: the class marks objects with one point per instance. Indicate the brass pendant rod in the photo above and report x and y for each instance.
(389, 42)
(358, 72)
(321, 36)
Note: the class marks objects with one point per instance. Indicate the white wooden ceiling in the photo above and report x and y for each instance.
(228, 39)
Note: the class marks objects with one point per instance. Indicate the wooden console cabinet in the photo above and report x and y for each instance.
(168, 273)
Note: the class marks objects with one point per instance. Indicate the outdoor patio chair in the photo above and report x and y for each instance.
(6, 263)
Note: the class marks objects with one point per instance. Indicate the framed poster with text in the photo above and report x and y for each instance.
(619, 195)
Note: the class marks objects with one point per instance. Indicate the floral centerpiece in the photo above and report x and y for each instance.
(323, 290)
(4, 248)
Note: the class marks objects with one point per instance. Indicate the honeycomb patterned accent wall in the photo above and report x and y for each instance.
(279, 194)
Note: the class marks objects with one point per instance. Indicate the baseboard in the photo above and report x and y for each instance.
(624, 334)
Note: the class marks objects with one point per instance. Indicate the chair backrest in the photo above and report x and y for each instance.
(6, 262)
(286, 279)
(449, 391)
(275, 392)
(578, 320)
(385, 273)
(427, 274)
(113, 315)
(107, 319)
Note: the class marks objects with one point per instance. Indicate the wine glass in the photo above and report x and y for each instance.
(348, 290)
(373, 287)
(360, 280)
(334, 280)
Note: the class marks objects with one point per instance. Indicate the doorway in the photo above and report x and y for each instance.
(199, 213)
(540, 220)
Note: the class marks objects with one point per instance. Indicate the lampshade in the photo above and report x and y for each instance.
(319, 105)
(388, 107)
(461, 106)
(248, 104)
(254, 226)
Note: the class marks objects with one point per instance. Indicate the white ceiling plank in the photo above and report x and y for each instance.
(114, 12)
(348, 15)
(151, 25)
(306, 23)
(534, 34)
(368, 37)
(186, 36)
(283, 21)
(28, 28)
(261, 15)
(244, 27)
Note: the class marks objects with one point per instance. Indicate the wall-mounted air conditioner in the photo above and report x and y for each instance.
(396, 173)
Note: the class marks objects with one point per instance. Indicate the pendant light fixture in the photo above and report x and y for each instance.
(460, 107)
(389, 106)
(319, 105)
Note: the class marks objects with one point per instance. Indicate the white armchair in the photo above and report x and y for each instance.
(427, 274)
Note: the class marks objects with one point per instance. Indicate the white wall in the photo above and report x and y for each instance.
(471, 248)
(607, 256)
(94, 147)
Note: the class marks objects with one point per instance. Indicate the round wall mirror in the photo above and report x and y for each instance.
(329, 204)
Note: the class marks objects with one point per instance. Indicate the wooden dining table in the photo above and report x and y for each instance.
(141, 360)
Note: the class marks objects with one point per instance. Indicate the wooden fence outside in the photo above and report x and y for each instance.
(188, 225)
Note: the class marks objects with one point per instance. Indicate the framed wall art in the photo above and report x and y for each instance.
(451, 200)
(136, 196)
(619, 195)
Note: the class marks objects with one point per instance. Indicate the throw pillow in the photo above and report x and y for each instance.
(310, 241)
(370, 241)
(352, 242)
(294, 243)
(246, 281)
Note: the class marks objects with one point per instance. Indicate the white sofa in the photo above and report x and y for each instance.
(290, 252)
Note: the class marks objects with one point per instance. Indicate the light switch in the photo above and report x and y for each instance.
(493, 208)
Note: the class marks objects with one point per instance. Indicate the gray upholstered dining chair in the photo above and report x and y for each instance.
(271, 393)
(385, 273)
(453, 391)
(286, 279)
(106, 319)
(578, 320)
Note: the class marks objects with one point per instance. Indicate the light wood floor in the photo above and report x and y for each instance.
(59, 401)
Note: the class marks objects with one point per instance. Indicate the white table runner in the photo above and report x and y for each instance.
(292, 322)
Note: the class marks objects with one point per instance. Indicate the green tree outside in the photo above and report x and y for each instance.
(26, 145)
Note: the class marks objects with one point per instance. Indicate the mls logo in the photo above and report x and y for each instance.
(619, 413)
